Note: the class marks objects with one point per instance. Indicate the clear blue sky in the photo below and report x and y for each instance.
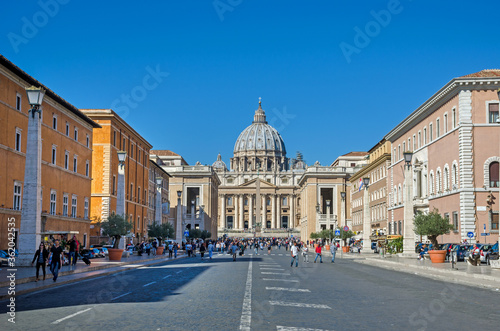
(221, 56)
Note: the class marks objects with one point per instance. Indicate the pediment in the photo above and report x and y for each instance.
(253, 183)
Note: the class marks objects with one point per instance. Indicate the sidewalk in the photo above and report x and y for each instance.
(480, 276)
(25, 276)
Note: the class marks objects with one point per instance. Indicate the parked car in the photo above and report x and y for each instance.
(461, 251)
(88, 253)
(489, 252)
(98, 252)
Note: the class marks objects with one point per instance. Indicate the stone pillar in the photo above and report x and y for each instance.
(250, 211)
(408, 233)
(366, 222)
(273, 211)
(242, 209)
(264, 209)
(31, 213)
(120, 191)
(292, 212)
(236, 222)
(278, 215)
(342, 213)
(179, 229)
(223, 211)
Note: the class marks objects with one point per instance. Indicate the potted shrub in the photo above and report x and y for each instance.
(344, 235)
(115, 226)
(160, 231)
(433, 225)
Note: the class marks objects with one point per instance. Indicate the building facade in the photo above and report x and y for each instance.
(117, 135)
(454, 138)
(158, 195)
(66, 167)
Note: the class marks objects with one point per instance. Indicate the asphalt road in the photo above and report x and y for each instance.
(256, 293)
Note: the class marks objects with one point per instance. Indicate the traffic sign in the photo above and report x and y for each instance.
(346, 228)
(186, 233)
(337, 232)
(470, 234)
(484, 227)
(485, 234)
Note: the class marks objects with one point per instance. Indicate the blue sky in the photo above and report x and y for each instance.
(326, 87)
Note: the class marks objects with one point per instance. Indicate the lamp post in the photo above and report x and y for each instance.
(343, 221)
(120, 192)
(498, 121)
(31, 218)
(158, 210)
(408, 232)
(179, 233)
(366, 217)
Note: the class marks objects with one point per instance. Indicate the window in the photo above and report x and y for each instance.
(75, 162)
(18, 140)
(399, 152)
(76, 134)
(131, 191)
(54, 122)
(114, 138)
(229, 201)
(18, 101)
(73, 206)
(138, 194)
(446, 179)
(404, 146)
(67, 129)
(409, 144)
(65, 204)
(454, 118)
(438, 181)
(88, 141)
(138, 157)
(454, 176)
(431, 183)
(132, 151)
(445, 120)
(66, 160)
(54, 154)
(430, 133)
(494, 174)
(284, 202)
(245, 202)
(123, 145)
(494, 221)
(87, 167)
(17, 196)
(399, 227)
(438, 128)
(113, 188)
(86, 209)
(455, 221)
(492, 112)
(425, 136)
(419, 139)
(414, 143)
(53, 196)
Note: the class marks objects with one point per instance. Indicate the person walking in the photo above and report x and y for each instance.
(295, 252)
(234, 249)
(72, 250)
(41, 257)
(202, 250)
(175, 250)
(318, 253)
(188, 248)
(170, 250)
(333, 250)
(154, 245)
(55, 257)
(305, 256)
(268, 248)
(210, 250)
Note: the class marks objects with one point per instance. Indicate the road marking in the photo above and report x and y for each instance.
(120, 296)
(166, 276)
(275, 273)
(178, 272)
(282, 280)
(148, 284)
(296, 304)
(246, 311)
(287, 289)
(272, 269)
(280, 254)
(72, 315)
(287, 328)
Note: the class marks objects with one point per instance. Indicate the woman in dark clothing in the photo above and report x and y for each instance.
(41, 256)
(202, 250)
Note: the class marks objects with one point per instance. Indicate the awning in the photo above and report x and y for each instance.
(48, 233)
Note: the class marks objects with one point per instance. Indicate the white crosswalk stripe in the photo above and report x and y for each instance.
(287, 289)
(288, 328)
(281, 280)
(299, 305)
(274, 273)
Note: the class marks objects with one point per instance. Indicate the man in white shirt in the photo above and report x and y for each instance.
(295, 253)
(210, 250)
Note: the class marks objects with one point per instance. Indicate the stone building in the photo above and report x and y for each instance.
(454, 138)
(158, 193)
(66, 165)
(117, 135)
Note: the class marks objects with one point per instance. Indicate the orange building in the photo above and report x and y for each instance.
(66, 158)
(114, 135)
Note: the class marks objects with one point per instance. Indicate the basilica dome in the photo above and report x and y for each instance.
(260, 136)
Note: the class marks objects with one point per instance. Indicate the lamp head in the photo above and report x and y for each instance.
(342, 195)
(35, 96)
(408, 156)
(122, 155)
(159, 181)
(179, 194)
(366, 181)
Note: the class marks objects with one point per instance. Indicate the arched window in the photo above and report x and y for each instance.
(494, 174)
(454, 175)
(438, 181)
(400, 198)
(431, 183)
(446, 179)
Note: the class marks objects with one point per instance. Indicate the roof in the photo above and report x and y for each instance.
(164, 153)
(484, 74)
(356, 154)
(48, 92)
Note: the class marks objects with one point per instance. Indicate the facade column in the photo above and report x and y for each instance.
(292, 211)
(223, 211)
(366, 222)
(273, 211)
(236, 212)
(242, 221)
(278, 214)
(264, 213)
(179, 229)
(158, 209)
(250, 211)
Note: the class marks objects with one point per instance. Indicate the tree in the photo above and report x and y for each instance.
(116, 226)
(344, 235)
(205, 234)
(194, 233)
(161, 231)
(431, 225)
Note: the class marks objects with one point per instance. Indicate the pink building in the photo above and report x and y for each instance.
(454, 138)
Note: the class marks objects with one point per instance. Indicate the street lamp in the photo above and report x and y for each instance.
(409, 234)
(498, 121)
(407, 157)
(342, 195)
(122, 155)
(366, 217)
(179, 235)
(366, 181)
(31, 219)
(158, 209)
